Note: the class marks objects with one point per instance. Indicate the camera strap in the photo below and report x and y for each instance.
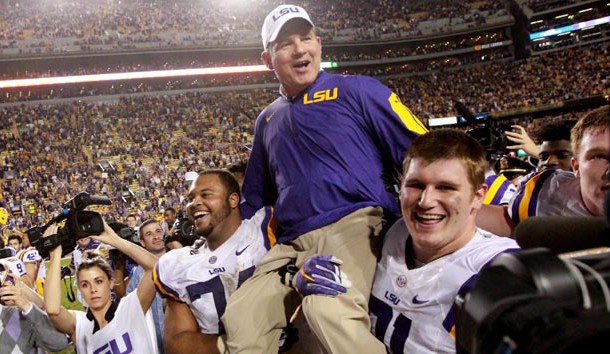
(69, 289)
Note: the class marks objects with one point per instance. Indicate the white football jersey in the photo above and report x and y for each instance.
(130, 331)
(31, 255)
(204, 279)
(14, 265)
(548, 193)
(412, 309)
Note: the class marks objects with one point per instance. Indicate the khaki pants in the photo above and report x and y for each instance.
(258, 310)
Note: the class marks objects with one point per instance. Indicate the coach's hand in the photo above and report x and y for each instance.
(321, 275)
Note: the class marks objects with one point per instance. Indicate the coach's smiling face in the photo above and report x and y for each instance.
(295, 56)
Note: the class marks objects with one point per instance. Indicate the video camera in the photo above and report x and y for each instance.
(183, 231)
(79, 223)
(493, 139)
(537, 302)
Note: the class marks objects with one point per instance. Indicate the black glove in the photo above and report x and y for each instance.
(289, 336)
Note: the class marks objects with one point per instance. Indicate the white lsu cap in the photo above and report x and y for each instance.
(278, 18)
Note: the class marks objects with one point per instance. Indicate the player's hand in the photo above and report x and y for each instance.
(522, 141)
(321, 275)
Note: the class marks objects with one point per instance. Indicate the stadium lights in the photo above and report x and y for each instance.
(58, 80)
(585, 10)
(570, 28)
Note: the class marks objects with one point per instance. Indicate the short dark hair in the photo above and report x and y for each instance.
(171, 209)
(238, 167)
(14, 237)
(555, 131)
(226, 178)
(444, 144)
(146, 223)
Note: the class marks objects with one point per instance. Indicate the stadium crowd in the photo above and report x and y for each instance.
(365, 54)
(36, 28)
(165, 150)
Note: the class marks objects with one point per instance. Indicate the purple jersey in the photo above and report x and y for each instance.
(331, 150)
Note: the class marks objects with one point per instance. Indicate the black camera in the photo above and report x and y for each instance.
(537, 302)
(130, 234)
(6, 253)
(492, 139)
(79, 223)
(183, 231)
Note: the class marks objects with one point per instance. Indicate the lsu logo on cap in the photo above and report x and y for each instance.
(285, 11)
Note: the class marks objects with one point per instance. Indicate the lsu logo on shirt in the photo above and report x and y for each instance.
(321, 96)
(113, 347)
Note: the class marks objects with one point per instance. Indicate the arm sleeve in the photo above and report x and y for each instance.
(135, 278)
(259, 188)
(524, 203)
(43, 332)
(394, 125)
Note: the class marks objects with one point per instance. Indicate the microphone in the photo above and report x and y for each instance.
(465, 112)
(563, 234)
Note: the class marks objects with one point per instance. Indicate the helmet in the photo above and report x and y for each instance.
(4, 215)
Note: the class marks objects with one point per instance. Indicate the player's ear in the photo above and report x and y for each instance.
(479, 196)
(234, 200)
(575, 166)
(266, 57)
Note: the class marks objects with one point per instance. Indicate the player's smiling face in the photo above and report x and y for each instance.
(439, 206)
(295, 56)
(209, 206)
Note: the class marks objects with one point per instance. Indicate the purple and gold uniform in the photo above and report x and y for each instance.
(323, 149)
(204, 279)
(548, 193)
(500, 190)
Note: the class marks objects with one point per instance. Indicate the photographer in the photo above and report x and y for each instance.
(20, 313)
(129, 323)
(151, 238)
(82, 245)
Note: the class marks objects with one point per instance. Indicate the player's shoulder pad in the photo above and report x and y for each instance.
(29, 256)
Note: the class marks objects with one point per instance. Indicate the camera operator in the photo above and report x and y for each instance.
(151, 238)
(128, 324)
(21, 314)
(169, 220)
(83, 245)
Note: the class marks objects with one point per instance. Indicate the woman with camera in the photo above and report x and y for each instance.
(105, 326)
